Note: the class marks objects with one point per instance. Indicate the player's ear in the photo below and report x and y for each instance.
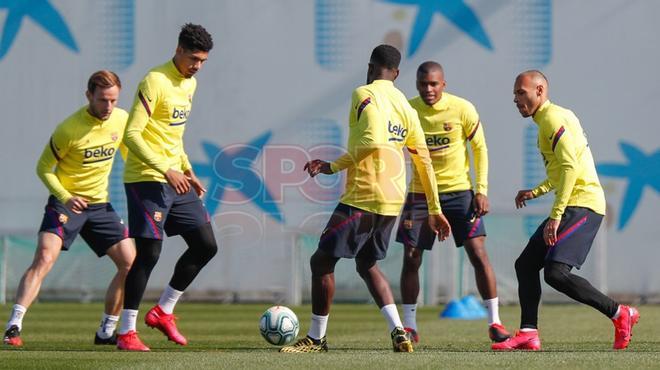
(396, 73)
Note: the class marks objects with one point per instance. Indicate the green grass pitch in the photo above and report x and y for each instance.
(59, 335)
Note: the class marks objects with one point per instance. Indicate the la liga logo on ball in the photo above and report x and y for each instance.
(279, 325)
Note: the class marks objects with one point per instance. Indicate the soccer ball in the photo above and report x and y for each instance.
(279, 325)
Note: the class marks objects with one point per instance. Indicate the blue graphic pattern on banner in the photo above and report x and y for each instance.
(331, 32)
(119, 32)
(641, 171)
(456, 11)
(535, 28)
(233, 170)
(39, 11)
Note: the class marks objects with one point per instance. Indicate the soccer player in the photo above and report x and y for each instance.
(381, 123)
(162, 191)
(74, 166)
(563, 240)
(449, 123)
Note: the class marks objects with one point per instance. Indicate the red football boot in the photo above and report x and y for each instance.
(623, 325)
(497, 333)
(527, 340)
(414, 336)
(158, 319)
(131, 342)
(13, 337)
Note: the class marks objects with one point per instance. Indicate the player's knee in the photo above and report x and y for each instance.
(148, 252)
(522, 267)
(321, 264)
(363, 266)
(555, 275)
(208, 251)
(412, 258)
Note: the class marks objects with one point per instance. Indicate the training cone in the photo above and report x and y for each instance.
(455, 310)
(474, 308)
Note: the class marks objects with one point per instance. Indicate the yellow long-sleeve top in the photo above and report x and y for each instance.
(78, 157)
(449, 125)
(569, 164)
(154, 133)
(381, 123)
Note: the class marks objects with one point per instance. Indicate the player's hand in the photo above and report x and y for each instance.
(76, 204)
(550, 232)
(440, 226)
(522, 196)
(178, 181)
(480, 204)
(195, 183)
(317, 166)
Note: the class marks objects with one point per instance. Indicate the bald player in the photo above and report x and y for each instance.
(564, 239)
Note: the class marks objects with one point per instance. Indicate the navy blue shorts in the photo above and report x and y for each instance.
(155, 206)
(577, 229)
(355, 233)
(457, 207)
(99, 225)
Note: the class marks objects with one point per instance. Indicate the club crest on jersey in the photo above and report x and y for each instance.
(447, 126)
(158, 216)
(408, 224)
(63, 218)
(114, 136)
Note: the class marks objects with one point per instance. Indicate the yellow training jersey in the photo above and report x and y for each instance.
(82, 150)
(568, 162)
(154, 133)
(449, 125)
(381, 123)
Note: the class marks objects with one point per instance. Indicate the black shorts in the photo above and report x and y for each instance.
(457, 207)
(155, 206)
(576, 232)
(355, 233)
(99, 225)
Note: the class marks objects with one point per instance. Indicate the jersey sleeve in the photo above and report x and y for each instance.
(474, 132)
(565, 149)
(544, 187)
(57, 148)
(416, 144)
(363, 135)
(146, 100)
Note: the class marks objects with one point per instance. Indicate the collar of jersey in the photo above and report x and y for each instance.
(541, 111)
(383, 82)
(89, 118)
(441, 104)
(174, 71)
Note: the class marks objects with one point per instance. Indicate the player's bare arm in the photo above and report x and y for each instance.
(178, 181)
(440, 226)
(481, 204)
(195, 183)
(76, 204)
(316, 166)
(522, 197)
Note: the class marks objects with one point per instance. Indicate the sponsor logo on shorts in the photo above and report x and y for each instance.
(158, 216)
(63, 218)
(408, 224)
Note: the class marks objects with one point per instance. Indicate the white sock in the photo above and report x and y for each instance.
(318, 326)
(128, 321)
(618, 312)
(410, 316)
(493, 310)
(527, 330)
(16, 317)
(392, 316)
(168, 299)
(108, 326)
